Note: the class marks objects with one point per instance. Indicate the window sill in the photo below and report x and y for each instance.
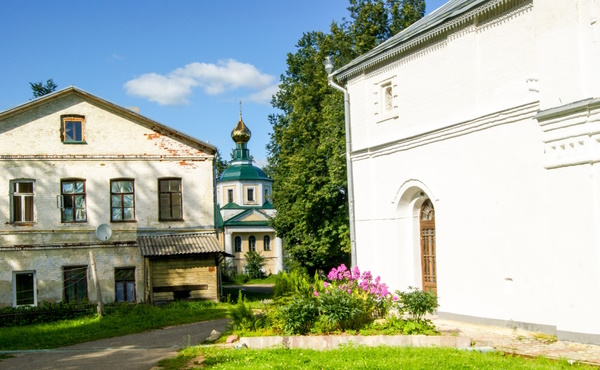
(75, 142)
(123, 221)
(30, 224)
(387, 117)
(173, 220)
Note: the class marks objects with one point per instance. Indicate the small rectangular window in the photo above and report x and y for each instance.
(24, 288)
(73, 204)
(72, 129)
(122, 200)
(170, 200)
(22, 201)
(267, 243)
(75, 283)
(229, 195)
(250, 193)
(238, 244)
(125, 284)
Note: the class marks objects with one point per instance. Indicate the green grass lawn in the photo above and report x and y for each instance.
(356, 358)
(119, 320)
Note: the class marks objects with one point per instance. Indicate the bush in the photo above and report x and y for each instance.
(45, 312)
(241, 279)
(255, 264)
(343, 311)
(417, 303)
(299, 315)
(295, 283)
(241, 315)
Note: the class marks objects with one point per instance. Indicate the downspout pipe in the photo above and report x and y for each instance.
(348, 167)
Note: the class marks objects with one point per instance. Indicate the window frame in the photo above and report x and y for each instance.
(14, 192)
(252, 243)
(229, 195)
(124, 282)
(170, 194)
(267, 243)
(70, 280)
(386, 99)
(74, 118)
(253, 190)
(237, 244)
(73, 195)
(16, 293)
(122, 194)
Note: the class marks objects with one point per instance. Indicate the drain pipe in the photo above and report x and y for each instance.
(350, 179)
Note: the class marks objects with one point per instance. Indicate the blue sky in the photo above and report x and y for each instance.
(186, 64)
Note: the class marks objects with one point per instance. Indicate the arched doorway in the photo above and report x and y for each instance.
(427, 227)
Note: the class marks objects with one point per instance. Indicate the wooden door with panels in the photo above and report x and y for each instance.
(427, 228)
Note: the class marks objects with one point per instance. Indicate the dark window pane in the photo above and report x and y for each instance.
(25, 286)
(130, 291)
(119, 292)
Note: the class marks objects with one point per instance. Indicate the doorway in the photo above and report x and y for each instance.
(427, 229)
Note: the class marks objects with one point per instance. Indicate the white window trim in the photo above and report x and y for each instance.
(11, 192)
(225, 193)
(254, 189)
(14, 287)
(381, 112)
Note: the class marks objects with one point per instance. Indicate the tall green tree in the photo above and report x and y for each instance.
(307, 147)
(41, 89)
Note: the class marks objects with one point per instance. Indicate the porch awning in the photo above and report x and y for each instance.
(178, 244)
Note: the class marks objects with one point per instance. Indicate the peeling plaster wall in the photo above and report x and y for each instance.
(117, 145)
(48, 266)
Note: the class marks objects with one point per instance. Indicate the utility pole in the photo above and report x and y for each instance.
(97, 284)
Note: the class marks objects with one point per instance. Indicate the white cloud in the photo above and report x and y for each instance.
(263, 96)
(175, 87)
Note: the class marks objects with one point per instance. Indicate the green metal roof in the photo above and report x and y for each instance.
(236, 220)
(243, 172)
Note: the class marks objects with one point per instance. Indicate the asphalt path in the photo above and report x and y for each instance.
(135, 351)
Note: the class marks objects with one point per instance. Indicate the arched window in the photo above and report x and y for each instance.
(252, 243)
(238, 244)
(267, 243)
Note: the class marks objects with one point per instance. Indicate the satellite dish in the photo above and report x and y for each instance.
(103, 232)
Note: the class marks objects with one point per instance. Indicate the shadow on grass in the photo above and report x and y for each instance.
(128, 319)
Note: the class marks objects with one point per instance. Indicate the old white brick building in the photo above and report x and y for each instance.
(71, 161)
(475, 145)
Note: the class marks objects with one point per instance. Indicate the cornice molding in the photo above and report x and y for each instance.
(504, 117)
(108, 157)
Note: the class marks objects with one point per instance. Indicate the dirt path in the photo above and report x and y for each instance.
(135, 351)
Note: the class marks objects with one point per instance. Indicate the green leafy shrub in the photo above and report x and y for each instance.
(296, 282)
(44, 312)
(417, 303)
(255, 264)
(241, 279)
(241, 315)
(299, 316)
(343, 311)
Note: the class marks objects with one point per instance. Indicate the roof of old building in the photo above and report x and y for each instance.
(451, 14)
(128, 113)
(178, 244)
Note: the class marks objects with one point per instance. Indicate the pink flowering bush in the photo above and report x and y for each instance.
(363, 285)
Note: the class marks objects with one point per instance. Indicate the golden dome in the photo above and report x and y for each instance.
(241, 133)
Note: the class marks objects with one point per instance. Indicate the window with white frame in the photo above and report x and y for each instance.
(386, 105)
(22, 201)
(229, 196)
(250, 195)
(267, 243)
(24, 288)
(252, 243)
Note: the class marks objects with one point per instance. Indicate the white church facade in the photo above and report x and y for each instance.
(475, 150)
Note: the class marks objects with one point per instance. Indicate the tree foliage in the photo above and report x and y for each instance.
(39, 89)
(307, 147)
(220, 164)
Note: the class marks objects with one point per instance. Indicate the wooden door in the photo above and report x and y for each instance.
(428, 269)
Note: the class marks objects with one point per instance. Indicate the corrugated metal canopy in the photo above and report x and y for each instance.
(178, 244)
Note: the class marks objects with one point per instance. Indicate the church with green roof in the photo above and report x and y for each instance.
(244, 201)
